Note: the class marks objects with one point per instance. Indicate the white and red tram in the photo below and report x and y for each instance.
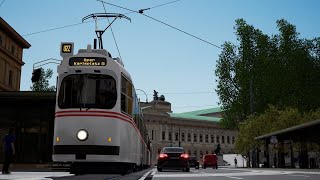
(98, 122)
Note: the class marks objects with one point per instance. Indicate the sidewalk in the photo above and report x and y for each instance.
(30, 167)
(276, 169)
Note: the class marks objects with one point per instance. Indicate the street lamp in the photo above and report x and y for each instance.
(46, 61)
(36, 73)
(144, 94)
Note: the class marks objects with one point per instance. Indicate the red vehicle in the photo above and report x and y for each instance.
(210, 160)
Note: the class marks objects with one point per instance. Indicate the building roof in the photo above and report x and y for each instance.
(11, 95)
(307, 132)
(199, 115)
(13, 34)
(203, 111)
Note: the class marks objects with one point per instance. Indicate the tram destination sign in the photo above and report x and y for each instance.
(87, 61)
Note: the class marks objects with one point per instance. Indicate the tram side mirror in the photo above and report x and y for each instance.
(36, 74)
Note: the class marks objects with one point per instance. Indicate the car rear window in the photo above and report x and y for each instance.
(174, 150)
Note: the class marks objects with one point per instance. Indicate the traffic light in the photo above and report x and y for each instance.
(36, 74)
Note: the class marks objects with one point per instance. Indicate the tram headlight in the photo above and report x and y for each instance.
(82, 135)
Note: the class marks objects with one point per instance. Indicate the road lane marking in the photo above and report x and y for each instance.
(146, 174)
(234, 177)
(298, 175)
(154, 172)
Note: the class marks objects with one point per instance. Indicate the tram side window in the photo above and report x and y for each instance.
(126, 96)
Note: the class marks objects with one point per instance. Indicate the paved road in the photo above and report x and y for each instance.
(230, 173)
(198, 174)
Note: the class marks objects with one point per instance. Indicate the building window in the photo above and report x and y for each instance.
(212, 139)
(0, 40)
(10, 78)
(194, 137)
(182, 137)
(222, 140)
(189, 137)
(200, 137)
(152, 134)
(207, 138)
(218, 139)
(177, 136)
(233, 139)
(163, 135)
(170, 136)
(228, 139)
(13, 49)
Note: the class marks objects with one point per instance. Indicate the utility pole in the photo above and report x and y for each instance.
(255, 153)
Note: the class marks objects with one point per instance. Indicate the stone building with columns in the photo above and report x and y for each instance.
(197, 131)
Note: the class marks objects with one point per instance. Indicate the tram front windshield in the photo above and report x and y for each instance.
(87, 91)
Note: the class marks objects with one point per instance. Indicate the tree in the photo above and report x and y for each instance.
(276, 119)
(280, 70)
(43, 83)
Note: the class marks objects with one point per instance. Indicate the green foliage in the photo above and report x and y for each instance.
(281, 70)
(43, 83)
(273, 119)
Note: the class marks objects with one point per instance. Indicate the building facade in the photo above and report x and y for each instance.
(11, 50)
(197, 131)
(32, 115)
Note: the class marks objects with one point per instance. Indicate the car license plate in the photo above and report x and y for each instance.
(174, 158)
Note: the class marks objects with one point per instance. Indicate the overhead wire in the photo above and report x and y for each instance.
(141, 12)
(76, 24)
(2, 2)
(181, 93)
(61, 27)
(164, 4)
(114, 38)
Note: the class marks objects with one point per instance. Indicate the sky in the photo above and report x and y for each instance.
(158, 57)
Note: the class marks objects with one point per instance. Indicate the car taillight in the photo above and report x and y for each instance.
(163, 155)
(184, 156)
